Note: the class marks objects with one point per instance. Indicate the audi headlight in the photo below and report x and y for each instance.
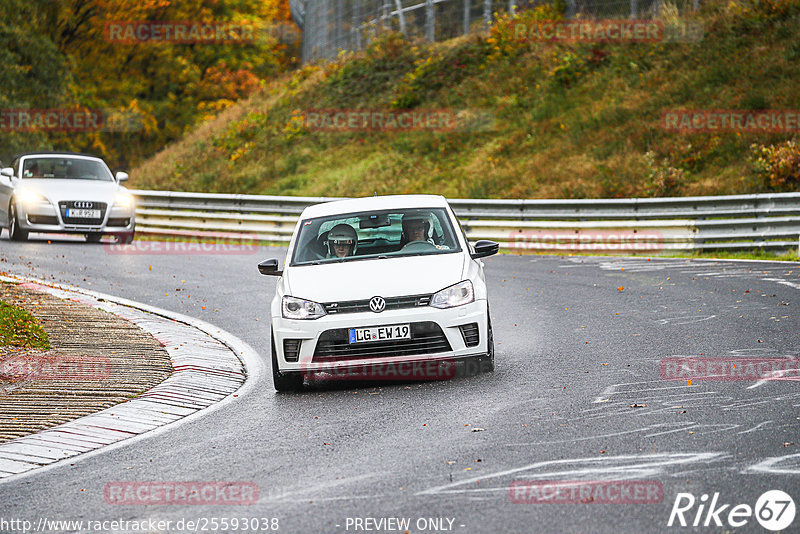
(294, 308)
(123, 200)
(29, 198)
(455, 295)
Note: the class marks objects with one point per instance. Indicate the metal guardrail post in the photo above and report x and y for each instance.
(401, 17)
(570, 9)
(356, 29)
(385, 16)
(430, 20)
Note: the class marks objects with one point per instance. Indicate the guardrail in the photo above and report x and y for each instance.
(652, 225)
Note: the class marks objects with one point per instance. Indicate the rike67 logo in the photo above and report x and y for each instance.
(774, 510)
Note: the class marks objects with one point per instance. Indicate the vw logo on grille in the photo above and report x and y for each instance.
(377, 304)
(83, 204)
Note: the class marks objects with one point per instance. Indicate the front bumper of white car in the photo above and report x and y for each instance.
(44, 216)
(441, 335)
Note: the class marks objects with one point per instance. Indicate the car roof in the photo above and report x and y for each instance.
(56, 153)
(387, 202)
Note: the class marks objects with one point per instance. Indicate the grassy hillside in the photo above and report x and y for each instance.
(577, 120)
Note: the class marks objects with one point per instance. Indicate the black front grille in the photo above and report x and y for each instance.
(43, 219)
(392, 303)
(426, 338)
(64, 205)
(470, 333)
(291, 349)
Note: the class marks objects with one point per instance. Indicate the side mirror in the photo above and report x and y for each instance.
(122, 176)
(485, 248)
(7, 171)
(269, 268)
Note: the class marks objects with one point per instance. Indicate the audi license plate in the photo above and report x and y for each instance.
(83, 214)
(380, 333)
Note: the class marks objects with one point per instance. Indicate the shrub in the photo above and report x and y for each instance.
(664, 180)
(778, 165)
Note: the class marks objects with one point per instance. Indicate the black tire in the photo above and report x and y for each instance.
(93, 237)
(125, 239)
(488, 360)
(15, 233)
(283, 382)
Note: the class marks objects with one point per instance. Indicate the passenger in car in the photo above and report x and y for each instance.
(342, 241)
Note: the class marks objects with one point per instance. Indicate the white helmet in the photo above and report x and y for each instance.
(342, 234)
(417, 216)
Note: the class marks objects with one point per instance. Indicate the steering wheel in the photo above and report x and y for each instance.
(418, 246)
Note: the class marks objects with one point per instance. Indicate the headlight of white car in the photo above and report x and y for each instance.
(455, 295)
(29, 198)
(294, 308)
(123, 200)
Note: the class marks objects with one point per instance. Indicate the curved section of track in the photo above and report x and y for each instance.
(579, 394)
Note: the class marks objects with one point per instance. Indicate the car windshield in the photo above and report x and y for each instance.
(375, 234)
(65, 169)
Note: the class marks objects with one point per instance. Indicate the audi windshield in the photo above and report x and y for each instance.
(61, 168)
(375, 234)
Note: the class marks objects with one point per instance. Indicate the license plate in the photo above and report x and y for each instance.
(380, 333)
(83, 214)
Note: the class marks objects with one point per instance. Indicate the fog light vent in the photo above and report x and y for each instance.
(470, 333)
(291, 349)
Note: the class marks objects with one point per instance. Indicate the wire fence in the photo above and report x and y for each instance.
(333, 25)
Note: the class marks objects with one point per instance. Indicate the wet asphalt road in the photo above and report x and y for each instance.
(577, 396)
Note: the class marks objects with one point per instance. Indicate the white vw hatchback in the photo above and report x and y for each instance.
(57, 192)
(379, 288)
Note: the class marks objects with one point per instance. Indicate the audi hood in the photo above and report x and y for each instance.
(58, 190)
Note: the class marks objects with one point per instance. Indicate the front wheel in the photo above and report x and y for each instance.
(489, 358)
(15, 233)
(126, 238)
(284, 382)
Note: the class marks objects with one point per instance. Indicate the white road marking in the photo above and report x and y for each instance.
(759, 425)
(773, 465)
(611, 467)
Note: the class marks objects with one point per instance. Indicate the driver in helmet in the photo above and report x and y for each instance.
(417, 227)
(342, 241)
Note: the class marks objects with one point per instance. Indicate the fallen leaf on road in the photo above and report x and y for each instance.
(476, 429)
(635, 405)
